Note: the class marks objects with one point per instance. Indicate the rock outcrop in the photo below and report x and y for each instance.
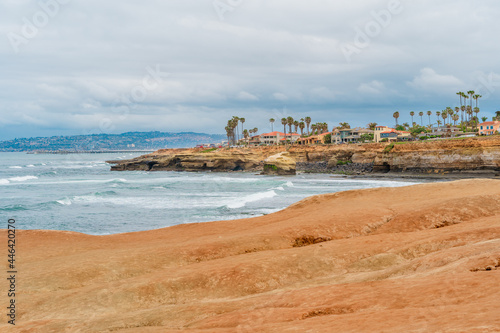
(473, 156)
(279, 164)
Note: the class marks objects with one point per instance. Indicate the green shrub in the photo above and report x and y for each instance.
(389, 147)
(209, 150)
(343, 162)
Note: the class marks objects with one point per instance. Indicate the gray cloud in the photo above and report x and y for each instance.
(81, 70)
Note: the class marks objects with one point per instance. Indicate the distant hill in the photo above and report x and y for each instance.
(124, 141)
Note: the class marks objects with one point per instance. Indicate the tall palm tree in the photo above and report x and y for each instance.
(469, 112)
(272, 123)
(429, 113)
(465, 104)
(471, 96)
(396, 116)
(289, 121)
(460, 93)
(421, 113)
(302, 125)
(412, 113)
(438, 113)
(476, 97)
(242, 121)
(308, 122)
(235, 124)
(476, 111)
(462, 109)
(296, 125)
(444, 115)
(283, 122)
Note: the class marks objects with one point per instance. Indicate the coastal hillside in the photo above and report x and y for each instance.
(129, 140)
(465, 157)
(423, 258)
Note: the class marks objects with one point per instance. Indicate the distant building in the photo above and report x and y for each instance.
(272, 138)
(384, 132)
(489, 128)
(349, 135)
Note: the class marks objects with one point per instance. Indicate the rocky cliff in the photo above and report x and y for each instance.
(460, 156)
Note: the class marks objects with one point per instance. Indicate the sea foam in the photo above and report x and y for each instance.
(241, 202)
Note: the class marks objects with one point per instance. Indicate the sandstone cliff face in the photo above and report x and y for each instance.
(474, 155)
(279, 164)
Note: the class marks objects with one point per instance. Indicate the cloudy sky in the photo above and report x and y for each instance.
(77, 67)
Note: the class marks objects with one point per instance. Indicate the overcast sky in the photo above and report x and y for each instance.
(78, 67)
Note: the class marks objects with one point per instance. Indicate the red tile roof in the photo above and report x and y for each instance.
(273, 133)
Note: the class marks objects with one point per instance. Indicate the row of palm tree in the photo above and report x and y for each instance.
(467, 112)
(303, 123)
(232, 129)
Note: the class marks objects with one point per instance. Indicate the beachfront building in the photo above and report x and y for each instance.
(378, 130)
(384, 132)
(276, 137)
(292, 138)
(314, 139)
(255, 141)
(350, 135)
(272, 138)
(489, 128)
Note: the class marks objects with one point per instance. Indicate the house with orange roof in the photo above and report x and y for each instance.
(489, 128)
(384, 132)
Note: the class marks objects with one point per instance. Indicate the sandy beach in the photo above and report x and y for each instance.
(423, 258)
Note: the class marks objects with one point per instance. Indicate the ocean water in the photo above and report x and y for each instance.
(77, 192)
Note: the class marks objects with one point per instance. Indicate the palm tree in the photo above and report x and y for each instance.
(313, 128)
(235, 124)
(469, 112)
(484, 119)
(455, 117)
(476, 111)
(344, 126)
(471, 96)
(283, 122)
(372, 126)
(396, 116)
(272, 122)
(460, 95)
(412, 113)
(308, 122)
(421, 113)
(438, 113)
(476, 97)
(444, 115)
(296, 125)
(302, 125)
(242, 121)
(406, 125)
(465, 105)
(462, 109)
(289, 121)
(245, 134)
(429, 113)
(228, 133)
